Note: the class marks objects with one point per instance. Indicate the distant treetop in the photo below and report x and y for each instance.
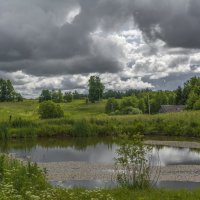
(7, 92)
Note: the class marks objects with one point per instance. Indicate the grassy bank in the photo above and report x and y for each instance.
(174, 124)
(83, 120)
(20, 181)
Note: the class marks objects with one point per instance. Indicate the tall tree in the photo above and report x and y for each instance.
(7, 91)
(3, 92)
(96, 89)
(45, 96)
(179, 96)
(68, 97)
(10, 92)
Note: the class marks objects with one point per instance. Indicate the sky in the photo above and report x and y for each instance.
(48, 44)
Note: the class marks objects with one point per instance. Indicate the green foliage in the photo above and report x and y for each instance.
(57, 96)
(54, 95)
(196, 105)
(7, 92)
(96, 89)
(68, 97)
(132, 165)
(179, 96)
(45, 96)
(111, 105)
(22, 181)
(126, 107)
(193, 97)
(26, 123)
(49, 109)
(142, 106)
(86, 100)
(2, 160)
(131, 111)
(81, 128)
(129, 102)
(4, 130)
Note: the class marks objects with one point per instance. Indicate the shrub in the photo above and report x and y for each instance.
(131, 111)
(111, 105)
(132, 164)
(129, 102)
(196, 106)
(3, 130)
(49, 109)
(81, 128)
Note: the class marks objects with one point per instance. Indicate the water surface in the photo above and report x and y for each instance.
(92, 150)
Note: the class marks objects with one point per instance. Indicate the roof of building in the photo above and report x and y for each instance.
(171, 108)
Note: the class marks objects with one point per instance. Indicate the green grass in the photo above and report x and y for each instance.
(28, 109)
(90, 120)
(20, 181)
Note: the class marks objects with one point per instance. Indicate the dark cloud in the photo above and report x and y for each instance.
(175, 22)
(37, 38)
(48, 38)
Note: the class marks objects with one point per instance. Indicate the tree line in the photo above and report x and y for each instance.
(96, 89)
(148, 101)
(133, 100)
(141, 102)
(58, 96)
(189, 94)
(8, 93)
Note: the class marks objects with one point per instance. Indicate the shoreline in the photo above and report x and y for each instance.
(63, 171)
(177, 144)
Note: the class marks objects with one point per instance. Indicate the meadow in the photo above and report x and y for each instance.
(84, 120)
(28, 109)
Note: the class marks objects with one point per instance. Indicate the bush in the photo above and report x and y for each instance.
(129, 102)
(131, 111)
(132, 164)
(49, 110)
(111, 105)
(81, 128)
(196, 106)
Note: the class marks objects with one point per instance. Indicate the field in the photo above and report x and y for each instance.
(28, 109)
(90, 120)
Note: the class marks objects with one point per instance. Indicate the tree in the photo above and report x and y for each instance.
(57, 96)
(3, 90)
(192, 100)
(128, 110)
(111, 105)
(45, 96)
(18, 97)
(196, 105)
(129, 102)
(179, 96)
(141, 105)
(10, 92)
(49, 109)
(132, 164)
(189, 87)
(7, 91)
(96, 89)
(68, 97)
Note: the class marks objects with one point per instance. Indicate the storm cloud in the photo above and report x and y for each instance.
(137, 43)
(175, 22)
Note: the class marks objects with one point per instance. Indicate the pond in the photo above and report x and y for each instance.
(95, 150)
